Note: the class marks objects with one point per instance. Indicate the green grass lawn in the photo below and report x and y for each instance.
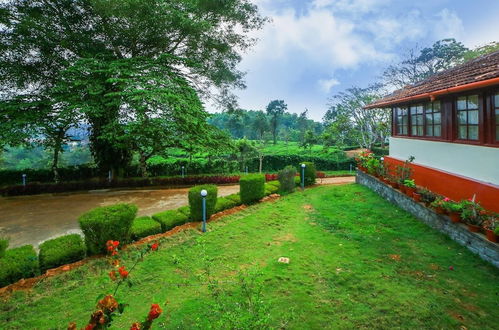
(356, 261)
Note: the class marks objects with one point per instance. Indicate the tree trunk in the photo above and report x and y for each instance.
(57, 149)
(143, 165)
(261, 163)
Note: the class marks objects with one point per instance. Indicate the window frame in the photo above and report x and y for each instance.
(396, 120)
(455, 120)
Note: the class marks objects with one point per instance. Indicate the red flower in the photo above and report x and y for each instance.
(154, 313)
(90, 326)
(116, 243)
(123, 272)
(110, 248)
(114, 253)
(108, 303)
(135, 326)
(154, 247)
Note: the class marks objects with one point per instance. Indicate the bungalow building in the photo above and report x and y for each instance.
(450, 124)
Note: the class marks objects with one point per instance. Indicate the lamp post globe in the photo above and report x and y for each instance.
(204, 193)
(303, 165)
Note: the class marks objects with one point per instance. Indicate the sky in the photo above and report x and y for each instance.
(313, 49)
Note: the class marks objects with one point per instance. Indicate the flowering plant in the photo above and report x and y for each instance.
(363, 158)
(107, 305)
(472, 213)
(491, 221)
(404, 171)
(452, 206)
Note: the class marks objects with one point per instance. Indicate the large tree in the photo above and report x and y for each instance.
(275, 109)
(199, 41)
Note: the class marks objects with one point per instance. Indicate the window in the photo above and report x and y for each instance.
(402, 120)
(433, 118)
(467, 117)
(496, 108)
(417, 120)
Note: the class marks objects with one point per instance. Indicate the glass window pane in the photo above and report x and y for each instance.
(404, 130)
(429, 118)
(462, 133)
(461, 103)
(436, 106)
(429, 130)
(496, 100)
(473, 117)
(461, 117)
(420, 130)
(497, 133)
(473, 132)
(473, 102)
(420, 120)
(405, 120)
(436, 118)
(437, 130)
(497, 117)
(414, 130)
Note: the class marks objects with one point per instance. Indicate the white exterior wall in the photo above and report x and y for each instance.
(476, 162)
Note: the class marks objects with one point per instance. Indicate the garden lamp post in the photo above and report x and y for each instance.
(204, 193)
(350, 168)
(183, 171)
(246, 169)
(303, 176)
(24, 180)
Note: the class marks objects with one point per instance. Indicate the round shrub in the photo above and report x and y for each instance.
(196, 204)
(4, 243)
(60, 251)
(107, 223)
(310, 173)
(18, 263)
(252, 188)
(286, 178)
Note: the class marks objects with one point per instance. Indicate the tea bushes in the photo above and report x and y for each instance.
(145, 226)
(195, 201)
(310, 173)
(287, 178)
(107, 223)
(18, 263)
(170, 219)
(252, 188)
(60, 251)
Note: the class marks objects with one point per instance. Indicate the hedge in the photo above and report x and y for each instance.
(274, 163)
(271, 189)
(145, 226)
(185, 210)
(381, 152)
(252, 188)
(170, 219)
(236, 198)
(310, 173)
(287, 178)
(195, 201)
(107, 223)
(60, 251)
(18, 263)
(4, 243)
(224, 203)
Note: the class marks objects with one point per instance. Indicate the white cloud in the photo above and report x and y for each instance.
(448, 25)
(327, 84)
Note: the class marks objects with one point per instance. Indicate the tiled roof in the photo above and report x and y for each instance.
(479, 69)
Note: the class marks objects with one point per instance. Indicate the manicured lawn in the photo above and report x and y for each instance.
(356, 261)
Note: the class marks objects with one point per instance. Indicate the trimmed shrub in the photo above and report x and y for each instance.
(145, 226)
(185, 210)
(60, 251)
(287, 178)
(196, 204)
(310, 173)
(224, 203)
(272, 189)
(170, 219)
(236, 198)
(252, 188)
(4, 243)
(107, 223)
(18, 263)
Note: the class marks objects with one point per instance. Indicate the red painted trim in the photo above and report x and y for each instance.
(450, 185)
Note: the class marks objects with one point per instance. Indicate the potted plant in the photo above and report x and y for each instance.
(363, 158)
(410, 187)
(491, 227)
(427, 196)
(453, 209)
(472, 214)
(404, 172)
(417, 195)
(438, 205)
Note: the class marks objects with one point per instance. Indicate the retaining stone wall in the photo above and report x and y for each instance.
(475, 242)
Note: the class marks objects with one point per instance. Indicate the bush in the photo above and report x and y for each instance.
(236, 198)
(287, 178)
(310, 173)
(195, 201)
(271, 189)
(60, 251)
(224, 203)
(18, 263)
(170, 219)
(252, 188)
(107, 223)
(145, 226)
(4, 243)
(185, 210)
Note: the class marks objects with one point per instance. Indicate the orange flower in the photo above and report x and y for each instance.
(112, 275)
(154, 247)
(108, 303)
(154, 313)
(72, 326)
(90, 326)
(123, 272)
(135, 326)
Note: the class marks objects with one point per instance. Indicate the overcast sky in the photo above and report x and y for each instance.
(315, 48)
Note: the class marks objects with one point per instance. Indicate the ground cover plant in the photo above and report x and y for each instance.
(355, 260)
